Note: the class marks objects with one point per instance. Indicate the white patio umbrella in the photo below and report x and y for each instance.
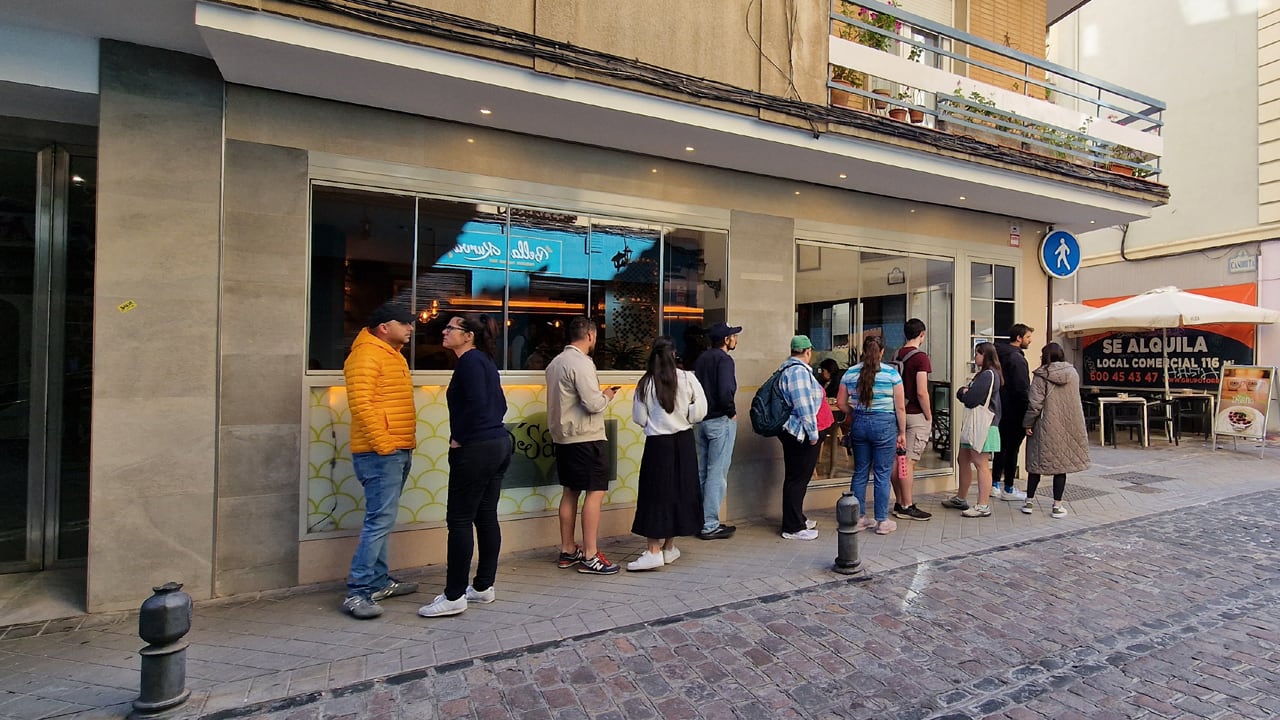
(1161, 309)
(1063, 310)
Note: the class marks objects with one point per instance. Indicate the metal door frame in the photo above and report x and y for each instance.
(48, 315)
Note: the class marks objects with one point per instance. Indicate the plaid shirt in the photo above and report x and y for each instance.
(806, 394)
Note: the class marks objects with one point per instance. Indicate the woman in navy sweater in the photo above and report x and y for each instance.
(479, 453)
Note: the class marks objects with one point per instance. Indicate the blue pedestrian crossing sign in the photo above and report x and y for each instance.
(1060, 254)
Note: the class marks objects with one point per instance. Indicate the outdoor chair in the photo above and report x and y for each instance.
(1164, 413)
(1125, 416)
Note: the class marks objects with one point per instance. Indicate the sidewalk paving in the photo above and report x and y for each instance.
(249, 650)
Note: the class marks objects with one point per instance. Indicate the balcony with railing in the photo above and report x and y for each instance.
(889, 62)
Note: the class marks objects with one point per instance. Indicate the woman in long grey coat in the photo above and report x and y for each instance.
(1057, 442)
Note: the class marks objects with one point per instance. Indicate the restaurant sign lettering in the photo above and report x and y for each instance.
(540, 255)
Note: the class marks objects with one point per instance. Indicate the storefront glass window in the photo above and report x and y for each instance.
(532, 269)
(992, 307)
(845, 294)
(361, 256)
(694, 279)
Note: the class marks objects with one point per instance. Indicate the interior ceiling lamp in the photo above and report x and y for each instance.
(897, 277)
(623, 257)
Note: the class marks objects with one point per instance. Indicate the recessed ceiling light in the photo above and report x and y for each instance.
(654, 170)
(471, 140)
(913, 209)
(843, 176)
(688, 148)
(797, 192)
(486, 111)
(963, 197)
(1093, 222)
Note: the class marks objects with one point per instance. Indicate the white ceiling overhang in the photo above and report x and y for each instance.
(279, 53)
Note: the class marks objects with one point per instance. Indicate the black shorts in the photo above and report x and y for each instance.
(582, 466)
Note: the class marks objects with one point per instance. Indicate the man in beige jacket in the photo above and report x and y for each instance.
(575, 417)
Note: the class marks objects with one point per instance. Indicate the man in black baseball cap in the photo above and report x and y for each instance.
(718, 431)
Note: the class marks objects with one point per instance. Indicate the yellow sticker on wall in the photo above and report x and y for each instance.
(126, 306)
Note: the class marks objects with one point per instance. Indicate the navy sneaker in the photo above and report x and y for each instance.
(598, 565)
(568, 560)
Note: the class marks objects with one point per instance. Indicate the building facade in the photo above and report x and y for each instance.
(1218, 233)
(215, 199)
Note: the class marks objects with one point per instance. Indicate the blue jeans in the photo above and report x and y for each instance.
(875, 439)
(383, 477)
(715, 450)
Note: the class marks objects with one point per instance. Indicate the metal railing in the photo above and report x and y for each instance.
(887, 59)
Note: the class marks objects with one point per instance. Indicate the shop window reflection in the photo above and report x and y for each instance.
(531, 269)
(361, 256)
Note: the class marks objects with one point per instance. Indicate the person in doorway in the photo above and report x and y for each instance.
(717, 433)
(915, 387)
(871, 396)
(667, 403)
(1013, 399)
(383, 436)
(1057, 441)
(986, 384)
(479, 453)
(799, 437)
(575, 418)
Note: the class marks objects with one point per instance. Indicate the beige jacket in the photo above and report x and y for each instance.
(575, 403)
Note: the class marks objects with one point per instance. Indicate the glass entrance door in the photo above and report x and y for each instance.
(47, 199)
(845, 294)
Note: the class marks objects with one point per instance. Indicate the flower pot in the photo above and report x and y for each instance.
(917, 116)
(899, 114)
(845, 98)
(881, 104)
(1120, 169)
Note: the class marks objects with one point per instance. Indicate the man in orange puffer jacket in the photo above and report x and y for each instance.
(383, 431)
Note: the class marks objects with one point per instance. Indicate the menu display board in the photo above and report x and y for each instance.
(1244, 396)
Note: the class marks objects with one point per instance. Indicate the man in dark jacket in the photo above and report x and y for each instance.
(1014, 395)
(718, 431)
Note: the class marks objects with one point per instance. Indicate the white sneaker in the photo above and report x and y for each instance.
(1058, 512)
(806, 534)
(995, 491)
(443, 606)
(1014, 495)
(1028, 507)
(810, 524)
(670, 556)
(646, 561)
(475, 596)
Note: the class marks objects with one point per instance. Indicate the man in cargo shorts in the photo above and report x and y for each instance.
(915, 369)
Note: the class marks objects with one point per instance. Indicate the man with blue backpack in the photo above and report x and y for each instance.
(799, 435)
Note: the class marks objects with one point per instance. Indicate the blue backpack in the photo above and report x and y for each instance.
(770, 408)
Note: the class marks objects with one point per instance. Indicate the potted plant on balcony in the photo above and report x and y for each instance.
(883, 21)
(909, 95)
(1128, 154)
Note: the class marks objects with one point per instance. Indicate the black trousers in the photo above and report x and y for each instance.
(1005, 463)
(799, 458)
(475, 483)
(1059, 485)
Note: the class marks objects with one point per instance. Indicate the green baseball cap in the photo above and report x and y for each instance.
(800, 342)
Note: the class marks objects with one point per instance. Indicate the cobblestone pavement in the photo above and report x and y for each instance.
(1170, 616)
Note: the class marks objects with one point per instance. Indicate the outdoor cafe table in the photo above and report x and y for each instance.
(1104, 401)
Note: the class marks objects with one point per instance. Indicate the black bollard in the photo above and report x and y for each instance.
(164, 618)
(847, 560)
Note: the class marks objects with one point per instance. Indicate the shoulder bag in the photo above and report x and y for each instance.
(977, 421)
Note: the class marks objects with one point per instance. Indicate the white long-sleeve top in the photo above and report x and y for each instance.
(691, 407)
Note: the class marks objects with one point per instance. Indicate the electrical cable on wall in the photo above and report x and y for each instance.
(455, 28)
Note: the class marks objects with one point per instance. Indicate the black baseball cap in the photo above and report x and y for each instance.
(386, 312)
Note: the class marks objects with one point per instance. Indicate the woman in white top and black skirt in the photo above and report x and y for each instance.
(667, 403)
